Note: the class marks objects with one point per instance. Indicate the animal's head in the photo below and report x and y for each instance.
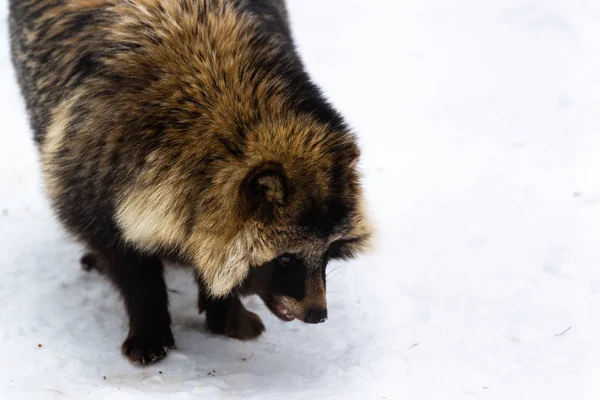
(307, 207)
(293, 284)
(276, 209)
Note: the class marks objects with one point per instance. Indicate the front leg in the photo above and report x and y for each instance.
(141, 283)
(228, 316)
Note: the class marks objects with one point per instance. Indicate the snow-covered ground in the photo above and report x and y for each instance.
(480, 123)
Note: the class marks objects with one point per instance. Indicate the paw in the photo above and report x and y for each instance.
(244, 326)
(147, 349)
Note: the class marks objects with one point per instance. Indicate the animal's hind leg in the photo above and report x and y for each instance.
(228, 316)
(141, 283)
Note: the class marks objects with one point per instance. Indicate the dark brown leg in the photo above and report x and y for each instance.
(141, 283)
(227, 316)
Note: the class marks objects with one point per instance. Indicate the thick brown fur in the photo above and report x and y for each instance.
(187, 130)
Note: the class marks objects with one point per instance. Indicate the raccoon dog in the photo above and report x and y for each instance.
(189, 131)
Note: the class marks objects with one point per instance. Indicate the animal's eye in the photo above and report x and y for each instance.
(289, 264)
(286, 260)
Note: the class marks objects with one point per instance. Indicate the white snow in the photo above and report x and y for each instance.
(480, 124)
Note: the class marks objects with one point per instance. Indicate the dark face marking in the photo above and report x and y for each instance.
(285, 276)
(322, 219)
(290, 274)
(290, 287)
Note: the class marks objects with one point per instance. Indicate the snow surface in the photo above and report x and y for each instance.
(480, 125)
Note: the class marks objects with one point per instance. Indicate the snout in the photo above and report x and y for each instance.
(309, 304)
(315, 315)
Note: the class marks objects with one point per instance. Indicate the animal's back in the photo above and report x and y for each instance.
(58, 44)
(127, 94)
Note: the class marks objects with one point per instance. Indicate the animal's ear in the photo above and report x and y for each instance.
(264, 188)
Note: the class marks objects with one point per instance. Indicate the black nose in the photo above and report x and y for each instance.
(315, 316)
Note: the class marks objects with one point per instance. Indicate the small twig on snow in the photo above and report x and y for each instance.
(563, 332)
